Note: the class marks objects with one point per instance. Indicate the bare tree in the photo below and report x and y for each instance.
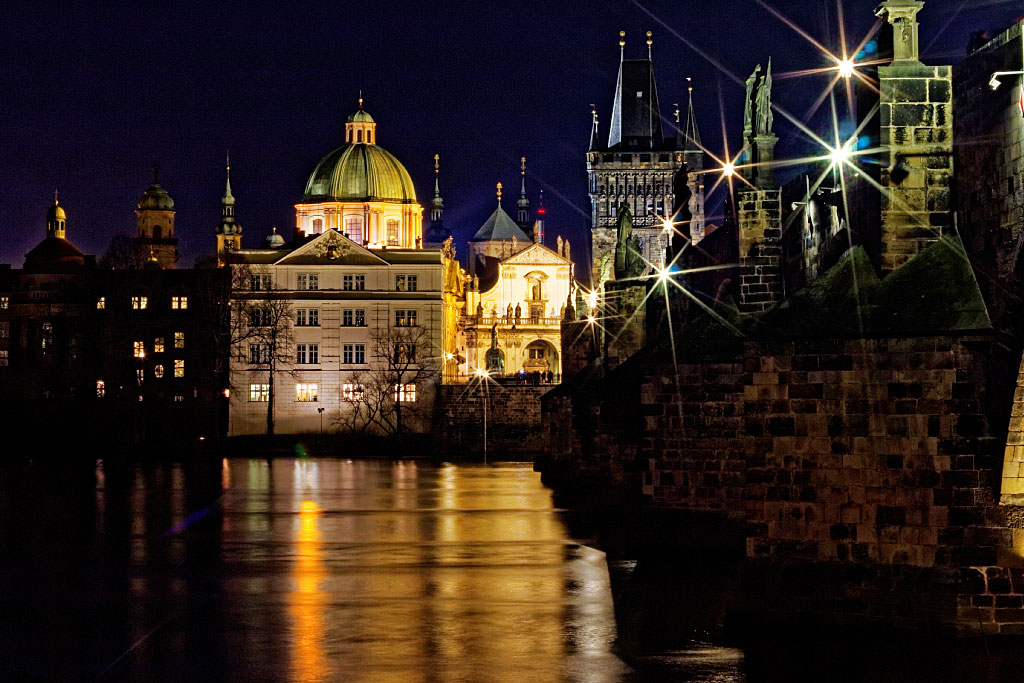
(356, 412)
(405, 364)
(269, 339)
(120, 255)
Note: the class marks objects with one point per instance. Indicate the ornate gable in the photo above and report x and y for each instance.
(535, 254)
(331, 247)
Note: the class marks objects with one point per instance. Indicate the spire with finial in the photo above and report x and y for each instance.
(360, 98)
(156, 173)
(499, 193)
(622, 45)
(55, 219)
(228, 198)
(692, 133)
(538, 226)
(523, 205)
(593, 127)
(649, 43)
(436, 204)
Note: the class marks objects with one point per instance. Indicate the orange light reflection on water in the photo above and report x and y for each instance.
(306, 602)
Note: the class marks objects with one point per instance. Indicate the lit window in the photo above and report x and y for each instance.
(392, 233)
(101, 388)
(405, 393)
(353, 354)
(179, 367)
(352, 392)
(158, 345)
(307, 317)
(318, 225)
(259, 392)
(305, 392)
(158, 371)
(308, 281)
(307, 353)
(4, 357)
(179, 303)
(259, 317)
(179, 399)
(5, 330)
(406, 283)
(5, 302)
(140, 302)
(354, 229)
(140, 375)
(139, 349)
(179, 340)
(259, 283)
(405, 317)
(101, 303)
(46, 339)
(353, 282)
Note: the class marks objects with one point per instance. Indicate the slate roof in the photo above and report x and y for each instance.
(499, 226)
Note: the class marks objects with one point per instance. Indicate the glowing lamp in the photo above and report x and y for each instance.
(846, 67)
(666, 225)
(729, 169)
(591, 319)
(839, 155)
(227, 393)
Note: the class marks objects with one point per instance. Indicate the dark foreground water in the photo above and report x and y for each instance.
(355, 570)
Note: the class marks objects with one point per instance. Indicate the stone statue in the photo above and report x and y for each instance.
(765, 118)
(479, 310)
(581, 305)
(748, 119)
(494, 336)
(605, 269)
(448, 248)
(568, 312)
(559, 243)
(476, 283)
(628, 255)
(519, 312)
(567, 256)
(504, 250)
(495, 359)
(515, 243)
(508, 312)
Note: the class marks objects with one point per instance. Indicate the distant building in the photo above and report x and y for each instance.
(155, 243)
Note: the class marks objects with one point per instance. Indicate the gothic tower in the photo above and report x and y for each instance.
(155, 243)
(229, 232)
(636, 168)
(436, 234)
(694, 155)
(523, 205)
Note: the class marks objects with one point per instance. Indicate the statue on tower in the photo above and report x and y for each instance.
(765, 118)
(628, 260)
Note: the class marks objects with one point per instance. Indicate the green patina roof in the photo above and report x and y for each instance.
(499, 226)
(360, 116)
(360, 172)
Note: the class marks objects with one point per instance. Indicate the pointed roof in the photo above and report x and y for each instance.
(692, 133)
(228, 198)
(498, 227)
(636, 116)
(594, 143)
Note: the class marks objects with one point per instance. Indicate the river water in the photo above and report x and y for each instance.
(355, 570)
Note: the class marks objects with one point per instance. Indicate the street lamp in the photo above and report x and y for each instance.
(994, 82)
(483, 375)
(321, 411)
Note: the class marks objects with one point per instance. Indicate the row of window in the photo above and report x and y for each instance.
(306, 392)
(354, 230)
(309, 354)
(101, 385)
(141, 303)
(139, 346)
(158, 371)
(350, 317)
(350, 282)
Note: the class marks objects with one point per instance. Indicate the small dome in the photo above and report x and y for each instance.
(360, 116)
(273, 240)
(155, 198)
(360, 172)
(56, 213)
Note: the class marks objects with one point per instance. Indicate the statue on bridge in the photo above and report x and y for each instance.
(629, 261)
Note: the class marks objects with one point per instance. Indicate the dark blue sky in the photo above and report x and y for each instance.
(91, 94)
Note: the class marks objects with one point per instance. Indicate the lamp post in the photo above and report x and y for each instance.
(483, 375)
(994, 82)
(321, 411)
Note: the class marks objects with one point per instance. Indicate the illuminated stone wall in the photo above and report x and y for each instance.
(513, 418)
(760, 227)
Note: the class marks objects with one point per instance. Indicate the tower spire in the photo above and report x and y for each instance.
(228, 197)
(436, 204)
(523, 205)
(692, 132)
(499, 193)
(156, 173)
(649, 43)
(593, 127)
(360, 99)
(622, 45)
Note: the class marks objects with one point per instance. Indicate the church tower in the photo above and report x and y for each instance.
(155, 243)
(635, 169)
(229, 232)
(436, 234)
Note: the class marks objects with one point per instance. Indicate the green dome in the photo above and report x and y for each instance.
(360, 172)
(156, 198)
(360, 116)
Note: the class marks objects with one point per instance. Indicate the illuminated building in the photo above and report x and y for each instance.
(155, 243)
(361, 190)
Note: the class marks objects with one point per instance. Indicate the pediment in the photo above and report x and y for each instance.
(536, 254)
(331, 248)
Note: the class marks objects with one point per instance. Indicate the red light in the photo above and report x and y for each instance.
(542, 210)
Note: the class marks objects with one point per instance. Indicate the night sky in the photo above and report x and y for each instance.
(90, 95)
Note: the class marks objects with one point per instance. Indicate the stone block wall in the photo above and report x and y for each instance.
(624, 319)
(760, 229)
(513, 418)
(916, 119)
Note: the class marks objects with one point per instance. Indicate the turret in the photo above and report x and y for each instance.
(523, 204)
(56, 219)
(229, 232)
(154, 214)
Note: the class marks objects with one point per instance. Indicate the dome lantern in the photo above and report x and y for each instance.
(360, 128)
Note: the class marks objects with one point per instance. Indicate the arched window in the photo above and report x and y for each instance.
(359, 136)
(392, 230)
(157, 231)
(318, 225)
(369, 137)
